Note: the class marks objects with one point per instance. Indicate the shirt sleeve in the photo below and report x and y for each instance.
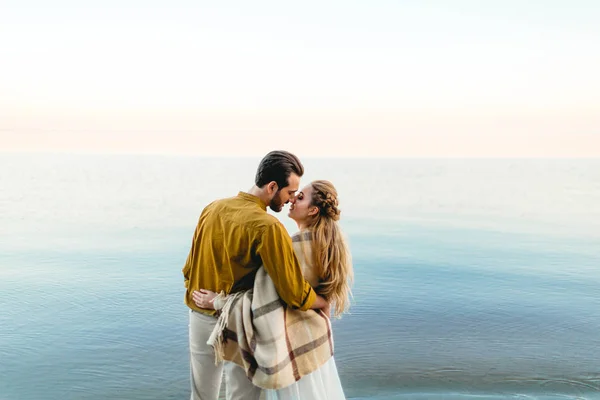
(279, 260)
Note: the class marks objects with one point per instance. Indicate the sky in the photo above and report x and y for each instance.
(445, 78)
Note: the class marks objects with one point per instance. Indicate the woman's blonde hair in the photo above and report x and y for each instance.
(331, 256)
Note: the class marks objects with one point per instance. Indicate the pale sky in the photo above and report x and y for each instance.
(447, 78)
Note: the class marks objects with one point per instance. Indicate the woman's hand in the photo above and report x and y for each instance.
(204, 298)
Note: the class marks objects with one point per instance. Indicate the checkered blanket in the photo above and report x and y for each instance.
(276, 345)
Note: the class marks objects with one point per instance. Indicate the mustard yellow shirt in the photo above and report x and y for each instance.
(234, 237)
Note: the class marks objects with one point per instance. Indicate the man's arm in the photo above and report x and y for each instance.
(319, 303)
(279, 260)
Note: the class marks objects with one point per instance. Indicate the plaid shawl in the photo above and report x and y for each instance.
(276, 345)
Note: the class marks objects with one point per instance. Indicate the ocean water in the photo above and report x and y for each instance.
(475, 279)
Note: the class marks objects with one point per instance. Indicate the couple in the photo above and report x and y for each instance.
(260, 300)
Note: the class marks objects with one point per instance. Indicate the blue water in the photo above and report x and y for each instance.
(475, 279)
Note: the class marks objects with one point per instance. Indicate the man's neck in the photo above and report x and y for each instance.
(260, 193)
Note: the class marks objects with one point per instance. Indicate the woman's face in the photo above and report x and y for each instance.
(301, 210)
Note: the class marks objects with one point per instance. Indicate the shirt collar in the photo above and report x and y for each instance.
(250, 197)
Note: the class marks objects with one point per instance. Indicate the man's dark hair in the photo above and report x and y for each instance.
(277, 166)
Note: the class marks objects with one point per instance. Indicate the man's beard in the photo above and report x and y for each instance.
(275, 204)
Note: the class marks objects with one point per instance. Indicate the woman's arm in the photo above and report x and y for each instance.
(204, 299)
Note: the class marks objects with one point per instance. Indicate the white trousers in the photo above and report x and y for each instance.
(205, 376)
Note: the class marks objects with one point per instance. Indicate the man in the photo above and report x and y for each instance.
(234, 237)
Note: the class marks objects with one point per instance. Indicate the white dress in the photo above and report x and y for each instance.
(324, 383)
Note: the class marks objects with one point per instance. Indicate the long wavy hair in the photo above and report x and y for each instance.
(330, 252)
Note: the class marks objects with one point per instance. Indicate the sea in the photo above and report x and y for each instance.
(474, 278)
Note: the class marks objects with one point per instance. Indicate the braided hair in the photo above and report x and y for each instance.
(331, 256)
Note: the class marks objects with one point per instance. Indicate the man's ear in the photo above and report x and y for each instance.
(272, 187)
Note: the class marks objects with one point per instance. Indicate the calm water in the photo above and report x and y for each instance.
(475, 279)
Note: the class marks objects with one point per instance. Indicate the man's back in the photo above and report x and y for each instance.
(233, 238)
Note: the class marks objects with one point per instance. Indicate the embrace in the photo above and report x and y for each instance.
(260, 301)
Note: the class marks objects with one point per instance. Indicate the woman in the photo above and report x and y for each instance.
(326, 265)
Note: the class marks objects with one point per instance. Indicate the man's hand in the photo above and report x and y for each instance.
(204, 298)
(322, 304)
